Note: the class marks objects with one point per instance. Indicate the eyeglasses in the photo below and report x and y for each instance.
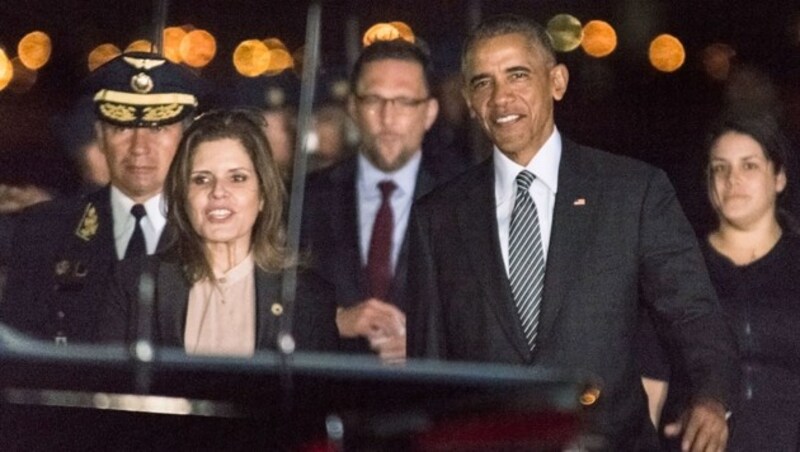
(405, 104)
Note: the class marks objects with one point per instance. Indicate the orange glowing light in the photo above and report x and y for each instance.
(198, 48)
(102, 54)
(666, 53)
(251, 58)
(6, 70)
(275, 43)
(172, 43)
(34, 50)
(566, 32)
(140, 45)
(380, 32)
(406, 33)
(599, 39)
(280, 60)
(3, 63)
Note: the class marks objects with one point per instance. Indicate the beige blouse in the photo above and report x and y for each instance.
(221, 316)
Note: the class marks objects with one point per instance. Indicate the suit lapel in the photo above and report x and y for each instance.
(268, 287)
(478, 223)
(577, 201)
(172, 301)
(426, 182)
(345, 230)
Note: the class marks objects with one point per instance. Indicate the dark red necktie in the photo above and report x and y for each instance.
(379, 262)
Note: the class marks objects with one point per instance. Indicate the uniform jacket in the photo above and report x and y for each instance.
(62, 258)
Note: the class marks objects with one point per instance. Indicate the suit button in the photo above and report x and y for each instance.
(61, 314)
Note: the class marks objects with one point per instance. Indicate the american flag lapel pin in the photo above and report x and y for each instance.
(579, 202)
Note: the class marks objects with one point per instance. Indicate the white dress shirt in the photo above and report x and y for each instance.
(368, 196)
(124, 223)
(544, 166)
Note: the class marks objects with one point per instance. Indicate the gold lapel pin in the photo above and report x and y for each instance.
(89, 223)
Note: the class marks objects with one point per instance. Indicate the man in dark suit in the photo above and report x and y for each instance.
(65, 250)
(545, 253)
(349, 205)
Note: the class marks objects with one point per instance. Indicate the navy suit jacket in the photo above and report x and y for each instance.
(313, 322)
(330, 232)
(619, 243)
(63, 256)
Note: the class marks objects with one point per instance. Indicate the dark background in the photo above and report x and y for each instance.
(618, 103)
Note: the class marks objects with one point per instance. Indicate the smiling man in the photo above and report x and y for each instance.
(545, 253)
(356, 212)
(65, 250)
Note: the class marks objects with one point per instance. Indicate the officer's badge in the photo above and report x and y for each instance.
(87, 228)
(141, 83)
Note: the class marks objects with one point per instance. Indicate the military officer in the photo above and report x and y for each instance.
(64, 251)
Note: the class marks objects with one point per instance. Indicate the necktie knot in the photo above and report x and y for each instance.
(136, 244)
(138, 212)
(525, 179)
(386, 187)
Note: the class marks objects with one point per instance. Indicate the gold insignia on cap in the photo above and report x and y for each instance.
(87, 228)
(277, 309)
(120, 113)
(142, 83)
(161, 112)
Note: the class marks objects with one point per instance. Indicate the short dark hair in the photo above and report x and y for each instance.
(397, 49)
(505, 24)
(766, 131)
(246, 126)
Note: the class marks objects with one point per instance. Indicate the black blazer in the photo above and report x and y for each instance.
(330, 232)
(619, 242)
(313, 326)
(62, 258)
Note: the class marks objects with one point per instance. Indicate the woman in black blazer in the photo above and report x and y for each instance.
(217, 289)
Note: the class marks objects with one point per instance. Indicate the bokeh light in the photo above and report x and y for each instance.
(34, 49)
(387, 32)
(275, 43)
(717, 60)
(6, 71)
(140, 45)
(102, 54)
(251, 58)
(599, 39)
(566, 32)
(406, 33)
(172, 43)
(198, 48)
(3, 63)
(666, 53)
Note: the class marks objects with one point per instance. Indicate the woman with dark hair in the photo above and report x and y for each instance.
(217, 288)
(753, 258)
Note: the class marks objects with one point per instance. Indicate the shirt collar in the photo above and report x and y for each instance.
(406, 177)
(121, 208)
(544, 165)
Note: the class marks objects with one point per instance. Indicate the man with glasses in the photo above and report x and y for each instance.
(356, 211)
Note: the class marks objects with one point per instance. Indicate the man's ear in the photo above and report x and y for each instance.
(431, 112)
(559, 79)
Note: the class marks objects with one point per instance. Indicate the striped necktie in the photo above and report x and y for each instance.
(526, 258)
